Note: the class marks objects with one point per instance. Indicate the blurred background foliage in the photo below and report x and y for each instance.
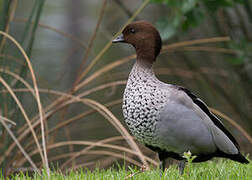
(63, 38)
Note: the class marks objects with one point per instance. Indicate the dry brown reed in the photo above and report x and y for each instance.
(2, 120)
(44, 158)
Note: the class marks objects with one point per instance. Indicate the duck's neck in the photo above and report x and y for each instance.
(142, 70)
(143, 64)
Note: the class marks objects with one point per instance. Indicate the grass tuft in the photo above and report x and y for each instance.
(216, 169)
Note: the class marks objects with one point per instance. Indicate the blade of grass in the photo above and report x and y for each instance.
(39, 10)
(8, 120)
(12, 10)
(28, 22)
(19, 78)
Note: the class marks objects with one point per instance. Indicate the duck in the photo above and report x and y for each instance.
(166, 118)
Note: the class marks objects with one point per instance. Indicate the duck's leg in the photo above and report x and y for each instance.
(162, 163)
(181, 166)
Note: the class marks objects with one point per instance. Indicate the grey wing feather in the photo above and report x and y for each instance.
(199, 124)
(180, 129)
(205, 109)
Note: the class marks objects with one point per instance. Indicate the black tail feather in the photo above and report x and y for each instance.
(239, 158)
(235, 157)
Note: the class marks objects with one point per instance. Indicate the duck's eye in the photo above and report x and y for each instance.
(132, 30)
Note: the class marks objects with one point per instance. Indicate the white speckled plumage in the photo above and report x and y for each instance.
(142, 101)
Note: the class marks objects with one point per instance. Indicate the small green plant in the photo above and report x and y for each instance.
(189, 159)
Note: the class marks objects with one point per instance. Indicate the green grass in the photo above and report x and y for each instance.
(218, 169)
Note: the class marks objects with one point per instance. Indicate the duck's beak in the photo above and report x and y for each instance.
(119, 38)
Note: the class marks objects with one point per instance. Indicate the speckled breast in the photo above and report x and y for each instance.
(142, 103)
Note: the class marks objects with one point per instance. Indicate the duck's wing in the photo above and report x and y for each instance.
(180, 96)
(224, 141)
(211, 116)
